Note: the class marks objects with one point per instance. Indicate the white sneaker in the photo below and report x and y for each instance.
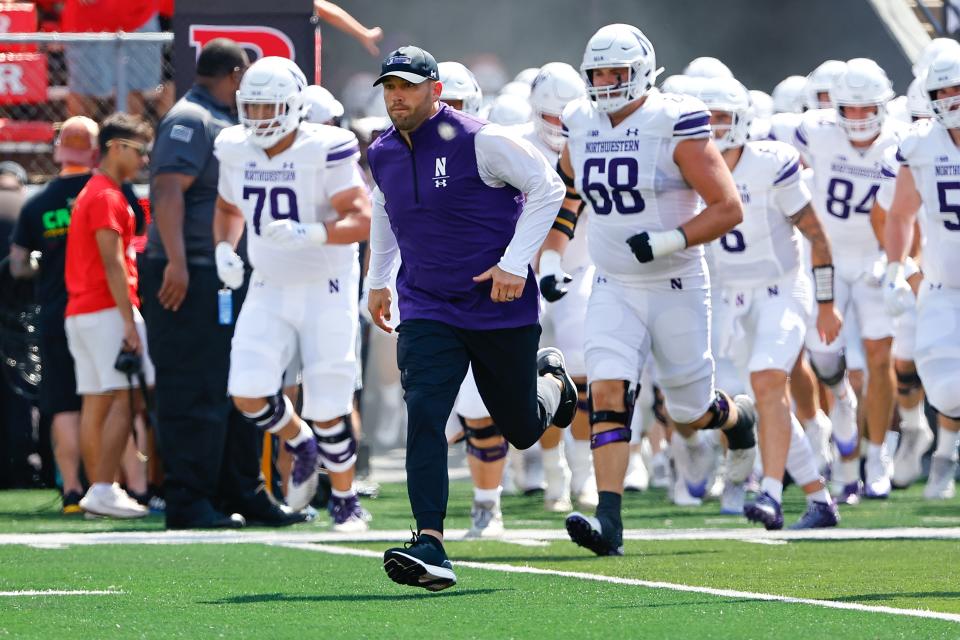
(941, 485)
(637, 478)
(588, 498)
(681, 495)
(907, 461)
(111, 501)
(486, 520)
(877, 484)
(661, 471)
(693, 460)
(558, 505)
(731, 502)
(353, 524)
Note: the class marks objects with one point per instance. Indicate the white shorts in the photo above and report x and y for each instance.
(567, 317)
(764, 327)
(94, 340)
(864, 318)
(469, 403)
(627, 322)
(937, 353)
(318, 318)
(905, 338)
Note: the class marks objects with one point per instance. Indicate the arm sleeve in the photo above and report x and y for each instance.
(789, 191)
(383, 244)
(503, 158)
(182, 146)
(342, 176)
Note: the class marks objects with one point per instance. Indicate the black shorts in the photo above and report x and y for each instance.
(58, 382)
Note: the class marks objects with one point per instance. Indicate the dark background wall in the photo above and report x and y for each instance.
(761, 40)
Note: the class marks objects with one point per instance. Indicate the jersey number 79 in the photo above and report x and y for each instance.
(283, 204)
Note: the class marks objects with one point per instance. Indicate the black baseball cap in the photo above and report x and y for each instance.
(413, 64)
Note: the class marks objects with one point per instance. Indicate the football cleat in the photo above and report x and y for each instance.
(941, 484)
(348, 516)
(486, 520)
(766, 511)
(732, 499)
(637, 478)
(848, 493)
(71, 503)
(111, 501)
(558, 505)
(877, 485)
(589, 533)
(550, 360)
(907, 461)
(302, 485)
(819, 515)
(420, 563)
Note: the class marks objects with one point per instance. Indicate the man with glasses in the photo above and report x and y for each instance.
(102, 318)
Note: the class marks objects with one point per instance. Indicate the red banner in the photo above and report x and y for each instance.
(23, 78)
(18, 17)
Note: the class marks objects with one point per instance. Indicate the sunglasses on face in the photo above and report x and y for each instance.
(141, 148)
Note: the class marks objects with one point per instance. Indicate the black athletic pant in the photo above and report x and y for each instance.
(433, 359)
(210, 453)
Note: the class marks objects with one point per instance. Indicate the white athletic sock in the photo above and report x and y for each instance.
(849, 471)
(912, 417)
(581, 464)
(555, 473)
(874, 453)
(774, 488)
(305, 434)
(487, 495)
(801, 463)
(845, 431)
(349, 493)
(820, 495)
(947, 443)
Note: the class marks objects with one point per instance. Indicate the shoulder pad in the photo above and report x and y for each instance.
(228, 140)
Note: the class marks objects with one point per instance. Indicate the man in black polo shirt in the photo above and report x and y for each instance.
(210, 454)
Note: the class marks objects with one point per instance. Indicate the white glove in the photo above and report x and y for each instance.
(874, 277)
(897, 295)
(294, 235)
(229, 265)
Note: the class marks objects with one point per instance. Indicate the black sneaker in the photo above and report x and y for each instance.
(420, 563)
(599, 536)
(71, 503)
(550, 360)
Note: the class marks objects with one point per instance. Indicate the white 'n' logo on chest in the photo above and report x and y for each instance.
(440, 172)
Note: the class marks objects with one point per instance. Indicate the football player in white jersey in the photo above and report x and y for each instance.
(817, 88)
(565, 284)
(298, 190)
(641, 159)
(789, 102)
(928, 176)
(845, 147)
(766, 298)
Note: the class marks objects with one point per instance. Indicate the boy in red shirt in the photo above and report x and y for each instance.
(102, 316)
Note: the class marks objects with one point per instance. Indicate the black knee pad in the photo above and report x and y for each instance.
(480, 433)
(659, 408)
(719, 411)
(488, 454)
(907, 383)
(827, 378)
(337, 445)
(582, 389)
(274, 416)
(620, 434)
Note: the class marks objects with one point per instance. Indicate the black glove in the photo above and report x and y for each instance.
(552, 289)
(640, 245)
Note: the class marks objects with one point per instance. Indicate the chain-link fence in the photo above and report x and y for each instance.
(47, 77)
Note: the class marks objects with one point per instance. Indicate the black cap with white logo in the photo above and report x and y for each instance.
(410, 63)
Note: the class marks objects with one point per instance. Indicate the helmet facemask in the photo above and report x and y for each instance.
(862, 129)
(270, 125)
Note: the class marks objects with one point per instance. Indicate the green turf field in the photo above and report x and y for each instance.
(287, 585)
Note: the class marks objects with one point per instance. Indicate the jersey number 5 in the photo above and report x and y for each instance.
(622, 177)
(947, 208)
(283, 204)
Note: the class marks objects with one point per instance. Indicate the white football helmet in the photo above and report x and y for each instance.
(862, 83)
(679, 83)
(761, 104)
(320, 105)
(509, 110)
(515, 88)
(930, 52)
(727, 94)
(918, 101)
(459, 84)
(271, 81)
(707, 67)
(527, 76)
(819, 81)
(942, 73)
(555, 86)
(789, 96)
(619, 45)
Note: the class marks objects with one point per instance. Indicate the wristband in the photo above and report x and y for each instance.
(823, 283)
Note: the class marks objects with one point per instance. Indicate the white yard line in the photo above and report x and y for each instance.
(722, 593)
(57, 592)
(53, 540)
